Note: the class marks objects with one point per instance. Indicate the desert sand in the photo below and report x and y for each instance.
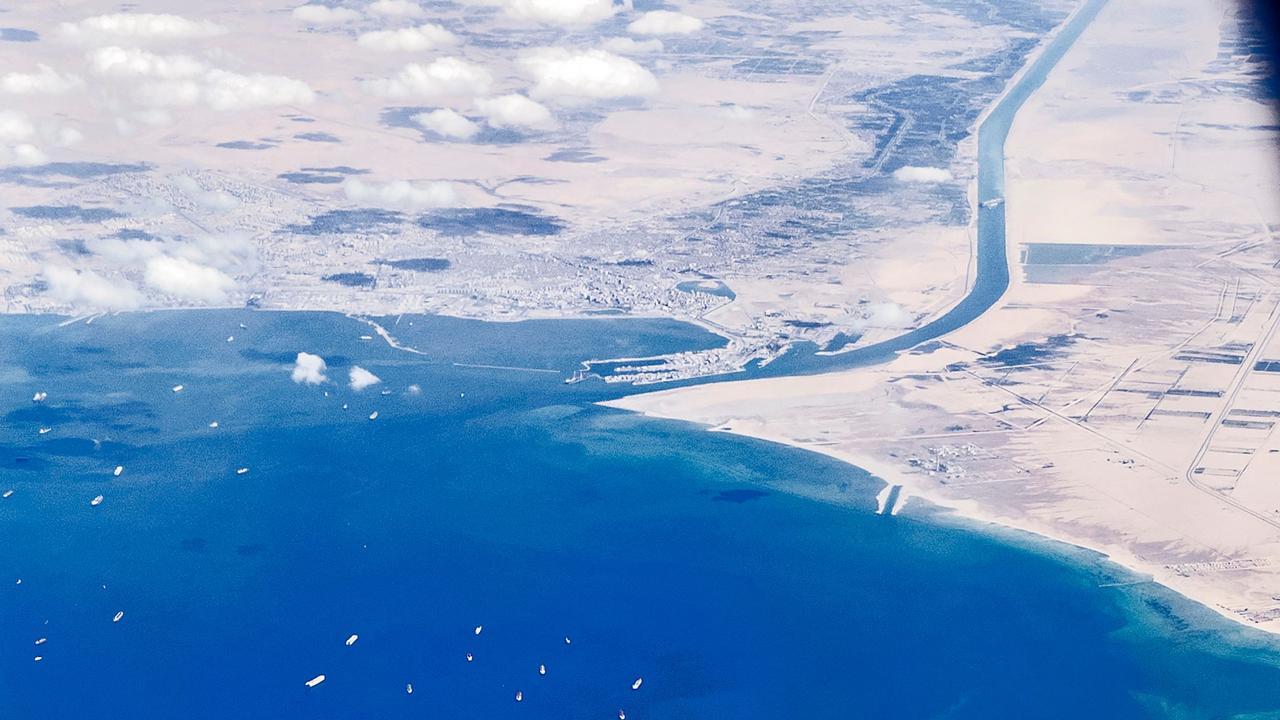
(1119, 396)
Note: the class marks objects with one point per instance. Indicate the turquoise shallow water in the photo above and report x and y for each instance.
(505, 498)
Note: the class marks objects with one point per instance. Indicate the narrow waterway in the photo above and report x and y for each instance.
(992, 272)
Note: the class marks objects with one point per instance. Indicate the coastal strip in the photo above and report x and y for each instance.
(1132, 349)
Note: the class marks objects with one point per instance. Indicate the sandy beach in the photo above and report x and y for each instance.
(1119, 396)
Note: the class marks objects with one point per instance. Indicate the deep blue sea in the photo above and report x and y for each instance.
(506, 499)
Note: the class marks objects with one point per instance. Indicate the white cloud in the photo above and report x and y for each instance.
(171, 93)
(225, 252)
(188, 280)
(115, 61)
(448, 123)
(401, 194)
(423, 37)
(631, 46)
(124, 252)
(665, 22)
(232, 91)
(515, 111)
(913, 174)
(590, 74)
(181, 80)
(88, 289)
(324, 15)
(16, 132)
(737, 112)
(396, 8)
(229, 251)
(45, 80)
(361, 378)
(214, 200)
(155, 117)
(560, 12)
(885, 315)
(192, 268)
(24, 154)
(445, 76)
(15, 126)
(309, 369)
(68, 136)
(224, 90)
(142, 26)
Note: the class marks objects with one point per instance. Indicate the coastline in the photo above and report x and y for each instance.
(1036, 457)
(985, 337)
(976, 517)
(684, 553)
